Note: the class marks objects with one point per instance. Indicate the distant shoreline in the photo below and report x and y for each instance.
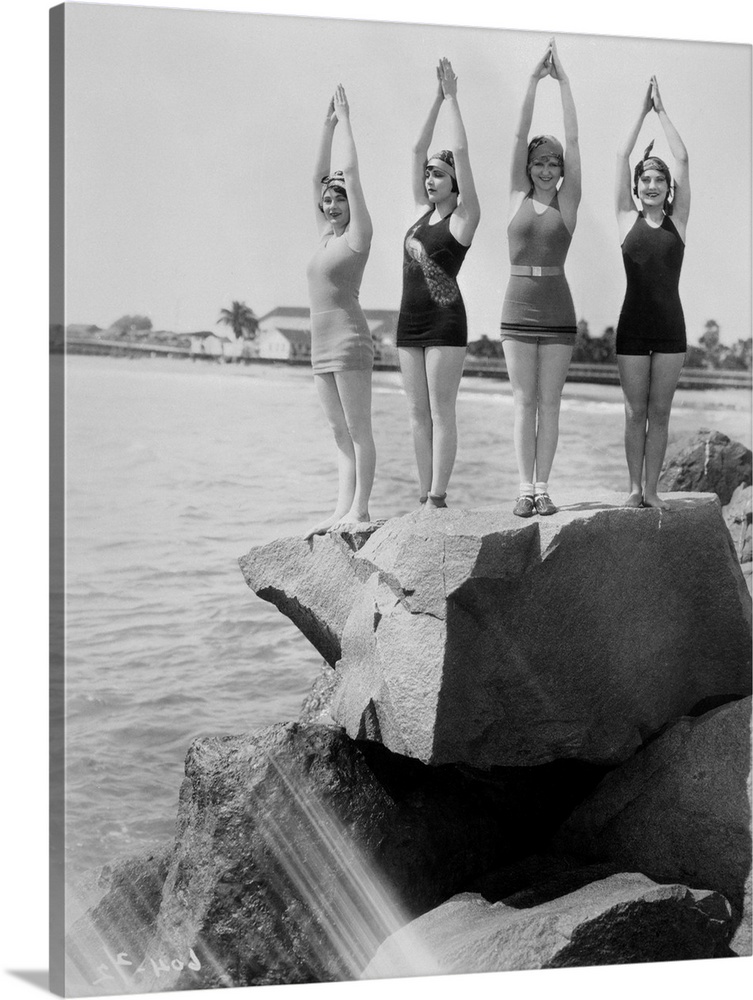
(494, 368)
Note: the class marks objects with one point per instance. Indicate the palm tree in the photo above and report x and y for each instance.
(242, 319)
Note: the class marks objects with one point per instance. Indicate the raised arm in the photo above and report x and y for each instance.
(623, 191)
(570, 189)
(681, 203)
(360, 228)
(466, 216)
(322, 162)
(420, 149)
(519, 181)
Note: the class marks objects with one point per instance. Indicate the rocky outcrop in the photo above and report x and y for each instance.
(623, 918)
(299, 850)
(710, 463)
(470, 636)
(679, 810)
(491, 678)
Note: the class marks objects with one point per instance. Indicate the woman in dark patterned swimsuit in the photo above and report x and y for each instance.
(432, 331)
(651, 341)
(538, 316)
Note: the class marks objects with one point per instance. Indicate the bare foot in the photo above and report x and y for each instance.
(654, 500)
(635, 500)
(351, 519)
(323, 527)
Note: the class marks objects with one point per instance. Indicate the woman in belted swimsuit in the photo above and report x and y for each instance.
(538, 317)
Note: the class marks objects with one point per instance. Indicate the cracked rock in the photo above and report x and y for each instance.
(470, 636)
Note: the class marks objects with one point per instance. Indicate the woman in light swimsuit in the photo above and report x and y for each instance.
(342, 350)
(651, 340)
(432, 329)
(538, 317)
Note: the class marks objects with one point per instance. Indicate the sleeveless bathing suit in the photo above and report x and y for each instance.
(340, 336)
(538, 306)
(652, 318)
(432, 313)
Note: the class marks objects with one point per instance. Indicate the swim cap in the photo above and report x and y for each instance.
(335, 179)
(654, 163)
(545, 145)
(443, 160)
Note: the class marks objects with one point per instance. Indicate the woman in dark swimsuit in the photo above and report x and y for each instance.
(432, 332)
(538, 316)
(651, 340)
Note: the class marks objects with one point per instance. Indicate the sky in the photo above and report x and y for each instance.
(191, 136)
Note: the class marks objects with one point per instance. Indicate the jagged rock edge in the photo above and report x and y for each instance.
(307, 614)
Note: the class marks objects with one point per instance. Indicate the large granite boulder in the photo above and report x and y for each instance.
(299, 850)
(623, 918)
(472, 636)
(679, 810)
(710, 463)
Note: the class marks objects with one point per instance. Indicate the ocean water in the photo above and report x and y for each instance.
(174, 469)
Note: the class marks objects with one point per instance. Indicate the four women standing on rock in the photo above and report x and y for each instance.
(538, 318)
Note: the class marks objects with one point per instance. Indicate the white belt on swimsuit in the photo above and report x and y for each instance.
(535, 272)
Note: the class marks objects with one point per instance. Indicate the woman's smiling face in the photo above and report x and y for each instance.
(545, 172)
(335, 207)
(652, 188)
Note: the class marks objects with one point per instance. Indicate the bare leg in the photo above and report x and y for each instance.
(354, 388)
(444, 369)
(522, 367)
(635, 376)
(413, 370)
(554, 361)
(346, 458)
(665, 372)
